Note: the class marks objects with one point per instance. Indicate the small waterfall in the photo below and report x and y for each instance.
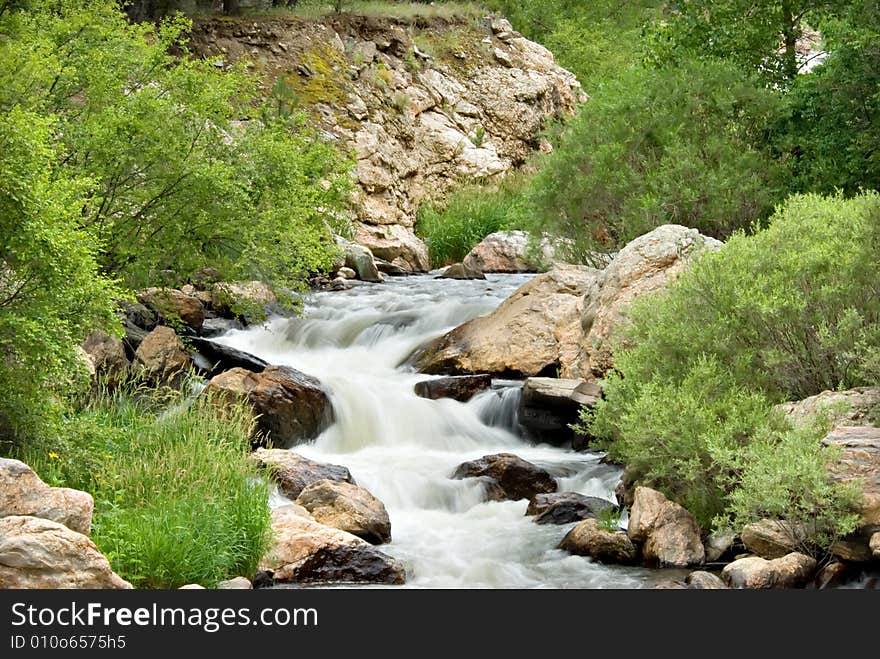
(404, 448)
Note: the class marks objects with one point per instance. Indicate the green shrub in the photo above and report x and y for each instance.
(680, 145)
(785, 313)
(177, 499)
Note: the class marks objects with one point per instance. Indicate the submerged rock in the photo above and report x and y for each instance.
(347, 507)
(567, 507)
(306, 551)
(590, 539)
(509, 476)
(670, 534)
(24, 493)
(291, 406)
(789, 571)
(461, 388)
(40, 553)
(533, 332)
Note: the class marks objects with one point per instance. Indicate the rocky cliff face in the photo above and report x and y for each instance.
(423, 105)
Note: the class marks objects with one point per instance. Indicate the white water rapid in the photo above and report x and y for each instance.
(403, 448)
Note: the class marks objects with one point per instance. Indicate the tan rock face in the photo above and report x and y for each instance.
(850, 408)
(589, 539)
(291, 406)
(38, 553)
(789, 571)
(860, 459)
(162, 356)
(294, 473)
(420, 124)
(171, 303)
(22, 492)
(107, 356)
(771, 538)
(306, 551)
(643, 266)
(670, 534)
(537, 329)
(349, 508)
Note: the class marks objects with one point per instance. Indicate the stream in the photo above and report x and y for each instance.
(403, 448)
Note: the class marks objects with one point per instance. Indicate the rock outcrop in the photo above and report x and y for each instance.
(291, 407)
(40, 553)
(789, 571)
(508, 477)
(349, 508)
(534, 331)
(670, 534)
(22, 492)
(643, 266)
(425, 104)
(590, 539)
(306, 551)
(293, 473)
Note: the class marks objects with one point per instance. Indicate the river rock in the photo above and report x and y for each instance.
(172, 304)
(852, 549)
(293, 473)
(22, 492)
(874, 545)
(503, 251)
(391, 269)
(306, 551)
(534, 331)
(549, 406)
(291, 406)
(346, 273)
(214, 327)
(859, 460)
(461, 271)
(772, 538)
(248, 295)
(215, 358)
(509, 476)
(347, 507)
(162, 357)
(670, 534)
(461, 387)
(832, 575)
(137, 315)
(360, 259)
(718, 545)
(40, 553)
(644, 266)
(589, 539)
(396, 244)
(236, 583)
(789, 571)
(107, 356)
(704, 581)
(567, 507)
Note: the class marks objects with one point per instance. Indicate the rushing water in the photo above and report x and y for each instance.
(403, 448)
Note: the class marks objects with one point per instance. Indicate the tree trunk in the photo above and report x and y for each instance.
(790, 35)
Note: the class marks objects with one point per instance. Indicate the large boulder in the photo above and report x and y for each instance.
(22, 492)
(567, 507)
(172, 305)
(459, 387)
(644, 266)
(590, 539)
(161, 356)
(549, 406)
(503, 251)
(247, 296)
(670, 534)
(859, 461)
(347, 507)
(789, 571)
(773, 538)
(307, 551)
(535, 331)
(293, 473)
(396, 244)
(291, 407)
(360, 259)
(107, 356)
(508, 476)
(40, 553)
(215, 358)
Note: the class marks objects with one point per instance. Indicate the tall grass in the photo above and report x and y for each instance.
(176, 499)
